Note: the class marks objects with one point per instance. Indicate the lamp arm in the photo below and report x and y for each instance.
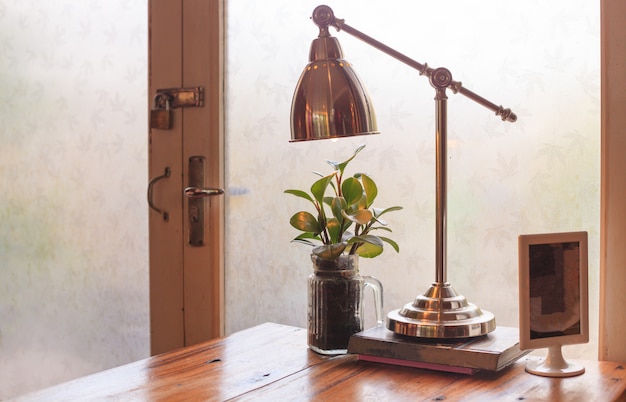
(324, 17)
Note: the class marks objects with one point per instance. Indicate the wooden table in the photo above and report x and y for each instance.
(272, 362)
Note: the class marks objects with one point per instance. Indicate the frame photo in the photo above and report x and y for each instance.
(553, 294)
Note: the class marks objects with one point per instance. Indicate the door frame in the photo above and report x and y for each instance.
(186, 49)
(611, 345)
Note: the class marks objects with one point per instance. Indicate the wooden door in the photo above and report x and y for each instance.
(186, 280)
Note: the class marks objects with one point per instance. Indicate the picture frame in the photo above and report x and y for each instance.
(553, 296)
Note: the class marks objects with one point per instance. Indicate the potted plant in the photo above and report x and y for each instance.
(341, 229)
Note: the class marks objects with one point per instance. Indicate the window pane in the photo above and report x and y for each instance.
(540, 174)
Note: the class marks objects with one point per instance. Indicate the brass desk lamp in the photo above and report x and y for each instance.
(330, 102)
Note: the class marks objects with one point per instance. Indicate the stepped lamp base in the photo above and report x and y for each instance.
(441, 313)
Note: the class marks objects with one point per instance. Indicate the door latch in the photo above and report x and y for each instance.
(167, 99)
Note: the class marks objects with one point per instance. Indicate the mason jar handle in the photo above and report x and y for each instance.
(377, 289)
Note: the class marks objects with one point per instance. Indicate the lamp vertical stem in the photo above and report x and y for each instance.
(441, 111)
(441, 312)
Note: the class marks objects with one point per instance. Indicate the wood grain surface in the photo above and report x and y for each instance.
(272, 362)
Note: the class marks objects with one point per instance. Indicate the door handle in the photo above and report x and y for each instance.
(196, 193)
(151, 185)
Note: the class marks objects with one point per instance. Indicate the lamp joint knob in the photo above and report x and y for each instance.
(440, 78)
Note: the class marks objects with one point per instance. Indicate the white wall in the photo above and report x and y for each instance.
(541, 174)
(73, 174)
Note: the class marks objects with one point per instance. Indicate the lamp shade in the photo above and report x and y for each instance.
(330, 101)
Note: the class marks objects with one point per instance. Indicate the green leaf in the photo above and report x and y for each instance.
(362, 204)
(347, 235)
(380, 228)
(305, 236)
(318, 189)
(380, 211)
(300, 193)
(328, 200)
(370, 188)
(334, 230)
(370, 239)
(329, 251)
(352, 190)
(382, 222)
(305, 222)
(370, 246)
(361, 216)
(392, 243)
(342, 166)
(338, 205)
(368, 250)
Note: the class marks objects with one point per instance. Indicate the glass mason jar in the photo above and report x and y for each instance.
(335, 299)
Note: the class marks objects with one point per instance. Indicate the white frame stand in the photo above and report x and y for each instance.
(554, 365)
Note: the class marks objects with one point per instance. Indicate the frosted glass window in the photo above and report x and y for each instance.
(73, 165)
(540, 174)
